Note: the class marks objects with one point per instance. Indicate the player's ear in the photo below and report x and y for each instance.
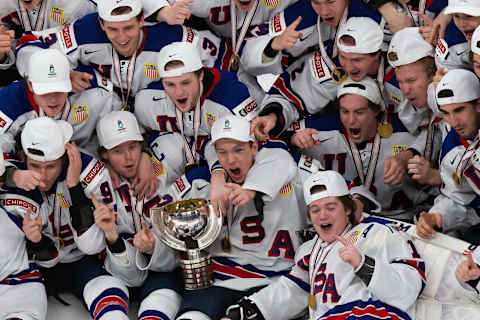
(101, 23)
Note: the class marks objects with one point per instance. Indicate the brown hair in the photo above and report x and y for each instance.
(428, 64)
(348, 40)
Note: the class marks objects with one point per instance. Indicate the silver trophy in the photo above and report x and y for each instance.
(189, 226)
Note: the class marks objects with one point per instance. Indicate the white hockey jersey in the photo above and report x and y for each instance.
(82, 111)
(53, 208)
(397, 281)
(335, 153)
(84, 42)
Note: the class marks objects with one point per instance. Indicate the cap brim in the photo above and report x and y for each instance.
(468, 10)
(233, 137)
(117, 142)
(49, 87)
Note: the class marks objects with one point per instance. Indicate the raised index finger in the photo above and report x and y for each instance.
(342, 241)
(95, 202)
(295, 23)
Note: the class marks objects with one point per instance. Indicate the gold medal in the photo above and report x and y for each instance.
(456, 178)
(125, 107)
(234, 62)
(338, 75)
(312, 301)
(226, 245)
(385, 130)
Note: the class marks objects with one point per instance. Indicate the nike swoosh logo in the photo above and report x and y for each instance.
(158, 99)
(323, 140)
(35, 143)
(306, 37)
(453, 160)
(90, 52)
(201, 188)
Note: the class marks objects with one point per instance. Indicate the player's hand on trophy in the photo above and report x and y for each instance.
(262, 125)
(238, 195)
(467, 269)
(289, 37)
(80, 81)
(74, 164)
(176, 13)
(348, 253)
(32, 227)
(218, 191)
(105, 219)
(144, 239)
(145, 182)
(27, 180)
(427, 223)
(304, 138)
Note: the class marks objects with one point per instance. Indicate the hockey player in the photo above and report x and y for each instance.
(359, 42)
(453, 51)
(343, 271)
(135, 254)
(414, 65)
(366, 151)
(188, 100)
(46, 93)
(454, 210)
(22, 293)
(258, 241)
(115, 43)
(57, 214)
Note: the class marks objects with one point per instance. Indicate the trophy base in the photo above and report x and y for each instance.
(197, 269)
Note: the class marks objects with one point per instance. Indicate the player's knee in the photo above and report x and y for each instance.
(193, 315)
(161, 304)
(106, 298)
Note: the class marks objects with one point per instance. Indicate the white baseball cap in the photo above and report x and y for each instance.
(475, 45)
(106, 7)
(334, 183)
(49, 71)
(232, 127)
(367, 87)
(44, 139)
(458, 85)
(116, 128)
(408, 46)
(469, 7)
(185, 52)
(366, 32)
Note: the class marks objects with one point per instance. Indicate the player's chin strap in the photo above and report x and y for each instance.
(243, 310)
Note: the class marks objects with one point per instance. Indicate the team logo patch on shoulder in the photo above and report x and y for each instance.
(352, 237)
(57, 15)
(211, 118)
(5, 122)
(276, 25)
(286, 190)
(158, 168)
(271, 3)
(397, 148)
(441, 49)
(63, 201)
(395, 99)
(97, 167)
(80, 113)
(319, 68)
(151, 71)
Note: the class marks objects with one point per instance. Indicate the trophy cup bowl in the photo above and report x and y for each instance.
(189, 226)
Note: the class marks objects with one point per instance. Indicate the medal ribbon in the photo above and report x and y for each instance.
(421, 9)
(137, 211)
(26, 19)
(465, 161)
(191, 152)
(246, 23)
(429, 143)
(324, 249)
(130, 73)
(331, 65)
(368, 179)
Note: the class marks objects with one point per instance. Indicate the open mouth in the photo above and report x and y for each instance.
(326, 226)
(354, 131)
(235, 171)
(182, 101)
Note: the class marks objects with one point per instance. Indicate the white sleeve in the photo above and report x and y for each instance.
(163, 259)
(263, 175)
(123, 266)
(455, 216)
